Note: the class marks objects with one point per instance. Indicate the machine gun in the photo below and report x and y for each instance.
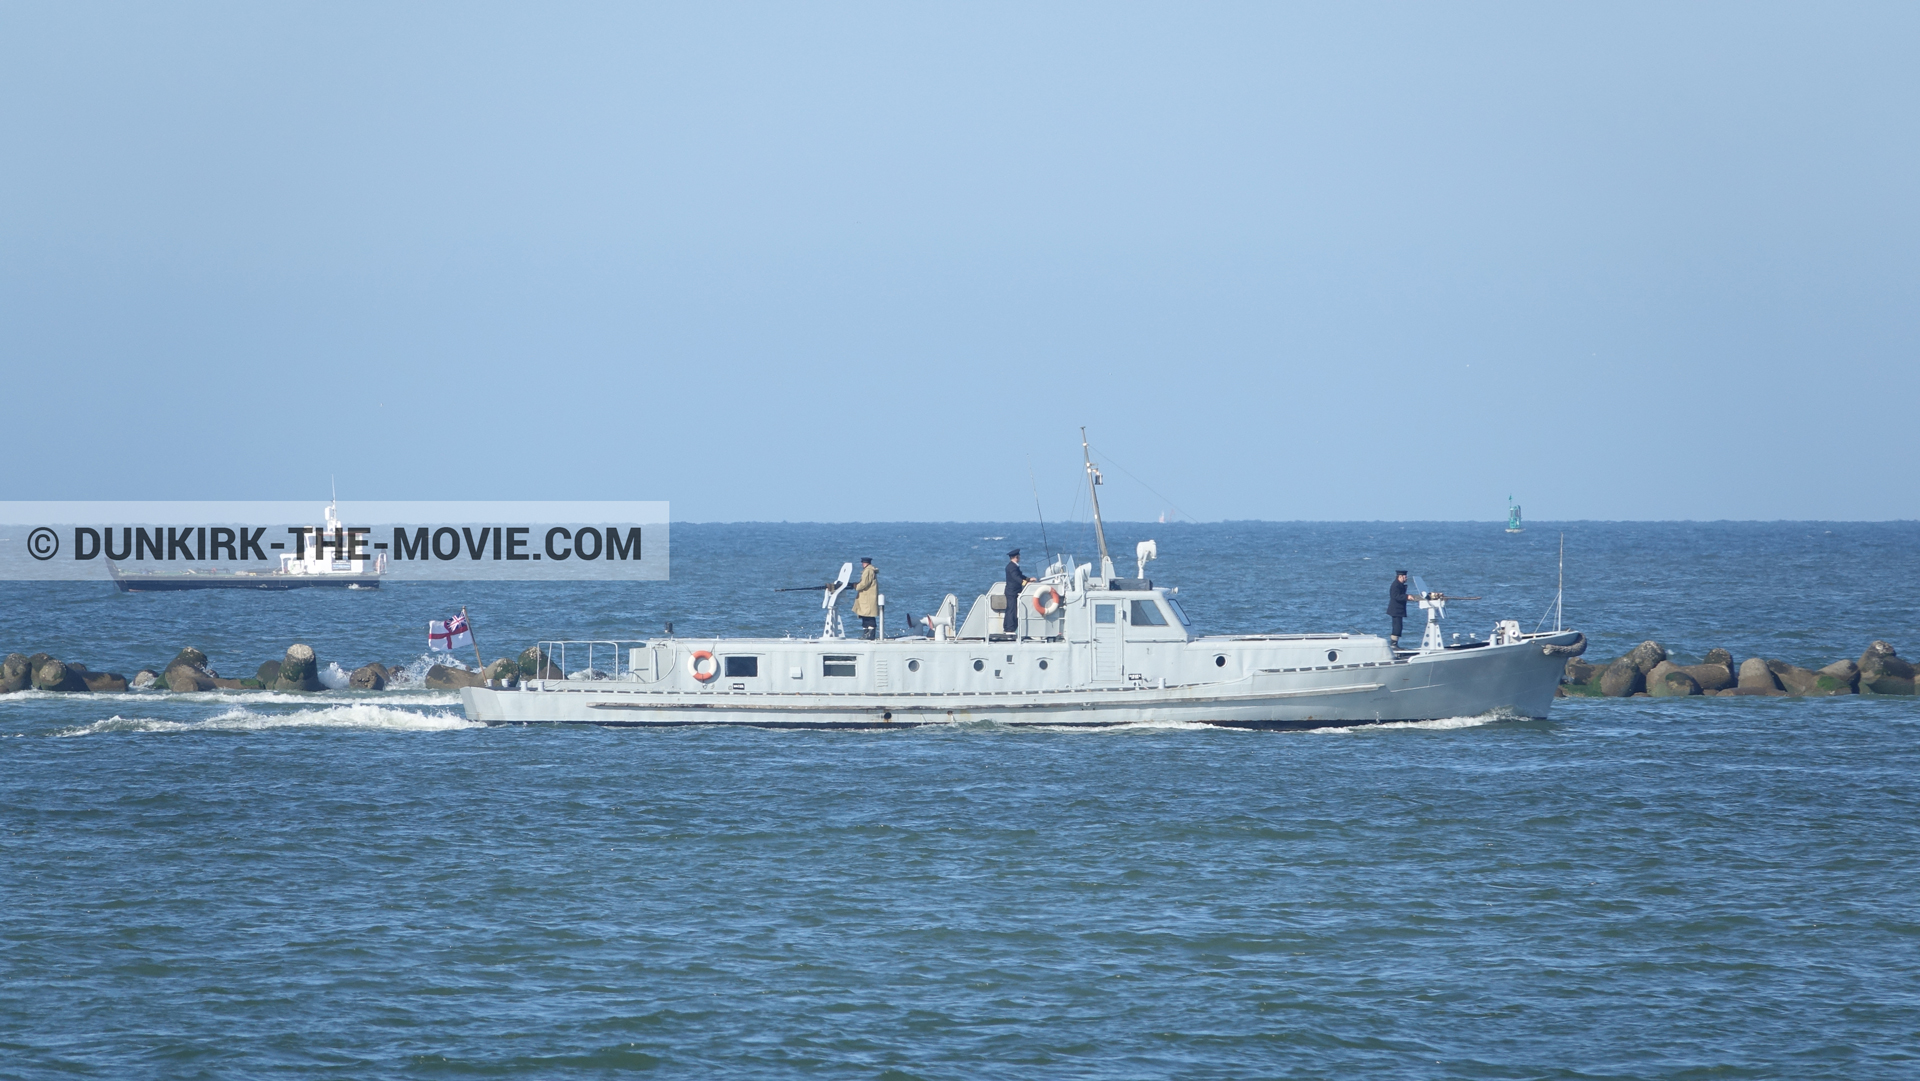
(830, 600)
(1435, 605)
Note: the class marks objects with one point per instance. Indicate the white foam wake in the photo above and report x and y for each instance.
(416, 697)
(414, 673)
(1441, 724)
(1139, 726)
(356, 715)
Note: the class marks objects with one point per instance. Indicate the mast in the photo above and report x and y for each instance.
(1560, 595)
(1093, 493)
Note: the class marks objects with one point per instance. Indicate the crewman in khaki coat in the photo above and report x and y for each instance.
(866, 599)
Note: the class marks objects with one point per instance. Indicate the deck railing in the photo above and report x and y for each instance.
(592, 658)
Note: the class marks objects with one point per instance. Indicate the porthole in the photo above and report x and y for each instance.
(979, 666)
(1333, 654)
(1043, 664)
(913, 666)
(1220, 661)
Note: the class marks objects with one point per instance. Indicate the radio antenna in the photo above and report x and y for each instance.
(1044, 543)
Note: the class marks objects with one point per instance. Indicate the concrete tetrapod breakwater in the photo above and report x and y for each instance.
(299, 669)
(1645, 670)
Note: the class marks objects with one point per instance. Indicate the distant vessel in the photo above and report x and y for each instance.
(1088, 647)
(1513, 517)
(303, 568)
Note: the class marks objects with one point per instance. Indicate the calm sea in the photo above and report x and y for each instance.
(346, 885)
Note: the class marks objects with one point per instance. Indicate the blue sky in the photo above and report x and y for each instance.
(875, 262)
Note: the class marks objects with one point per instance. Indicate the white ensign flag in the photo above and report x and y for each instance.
(449, 635)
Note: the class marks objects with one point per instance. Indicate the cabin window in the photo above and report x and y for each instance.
(741, 667)
(837, 665)
(1147, 614)
(1179, 612)
(913, 666)
(979, 665)
(1043, 664)
(1103, 613)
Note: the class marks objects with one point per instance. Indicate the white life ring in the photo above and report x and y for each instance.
(1047, 601)
(702, 665)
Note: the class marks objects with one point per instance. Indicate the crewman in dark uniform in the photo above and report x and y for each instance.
(1397, 605)
(1016, 581)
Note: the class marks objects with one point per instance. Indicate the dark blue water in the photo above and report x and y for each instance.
(365, 886)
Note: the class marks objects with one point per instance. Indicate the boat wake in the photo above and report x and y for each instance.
(1442, 724)
(358, 715)
(1143, 726)
(416, 697)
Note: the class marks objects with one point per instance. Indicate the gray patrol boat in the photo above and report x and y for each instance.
(1092, 649)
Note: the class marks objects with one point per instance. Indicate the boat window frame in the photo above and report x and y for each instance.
(1178, 611)
(831, 661)
(1156, 616)
(1112, 611)
(752, 663)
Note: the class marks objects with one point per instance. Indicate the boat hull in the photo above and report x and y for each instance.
(1516, 680)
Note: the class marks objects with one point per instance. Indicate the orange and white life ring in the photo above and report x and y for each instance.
(702, 665)
(1047, 601)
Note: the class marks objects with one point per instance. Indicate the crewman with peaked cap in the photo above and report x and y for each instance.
(1016, 581)
(1397, 605)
